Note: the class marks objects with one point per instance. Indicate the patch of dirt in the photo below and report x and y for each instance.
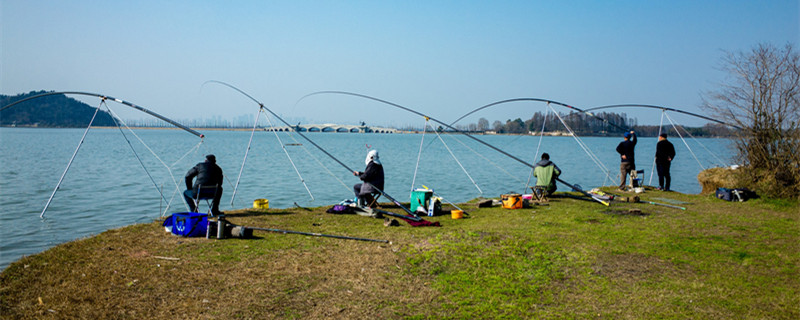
(626, 212)
(633, 267)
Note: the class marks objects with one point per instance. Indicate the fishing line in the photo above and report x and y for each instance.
(151, 152)
(536, 155)
(684, 142)
(290, 158)
(317, 160)
(721, 162)
(441, 123)
(487, 159)
(246, 152)
(456, 159)
(69, 164)
(319, 147)
(135, 154)
(653, 169)
(583, 146)
(419, 155)
(194, 150)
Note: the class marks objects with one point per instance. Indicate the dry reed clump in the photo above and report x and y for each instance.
(711, 179)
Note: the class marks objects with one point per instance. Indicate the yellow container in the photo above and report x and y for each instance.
(261, 204)
(456, 214)
(512, 201)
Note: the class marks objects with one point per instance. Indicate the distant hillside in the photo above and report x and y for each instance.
(50, 111)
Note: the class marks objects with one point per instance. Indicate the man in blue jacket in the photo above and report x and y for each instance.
(627, 164)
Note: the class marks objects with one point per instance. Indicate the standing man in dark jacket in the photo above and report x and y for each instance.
(208, 174)
(625, 150)
(372, 177)
(665, 152)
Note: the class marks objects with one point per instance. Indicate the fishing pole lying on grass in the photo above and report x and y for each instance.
(665, 205)
(315, 234)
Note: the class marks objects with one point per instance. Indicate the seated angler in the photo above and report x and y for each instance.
(373, 180)
(209, 176)
(546, 173)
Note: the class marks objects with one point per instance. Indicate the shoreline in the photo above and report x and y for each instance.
(570, 259)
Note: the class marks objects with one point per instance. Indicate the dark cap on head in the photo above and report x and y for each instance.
(627, 135)
(211, 158)
(663, 135)
(545, 156)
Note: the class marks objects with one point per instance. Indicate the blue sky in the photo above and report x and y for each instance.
(443, 58)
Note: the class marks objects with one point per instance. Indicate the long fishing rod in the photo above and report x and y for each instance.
(441, 123)
(662, 108)
(104, 97)
(294, 128)
(261, 106)
(537, 100)
(317, 234)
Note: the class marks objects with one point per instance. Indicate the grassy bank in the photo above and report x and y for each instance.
(571, 259)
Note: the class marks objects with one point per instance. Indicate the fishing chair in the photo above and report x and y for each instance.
(371, 199)
(207, 193)
(635, 181)
(539, 193)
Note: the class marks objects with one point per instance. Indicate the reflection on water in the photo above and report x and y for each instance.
(107, 187)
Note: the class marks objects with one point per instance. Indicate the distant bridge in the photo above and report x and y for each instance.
(333, 128)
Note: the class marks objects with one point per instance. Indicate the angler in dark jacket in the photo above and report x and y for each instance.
(665, 152)
(626, 154)
(208, 174)
(372, 177)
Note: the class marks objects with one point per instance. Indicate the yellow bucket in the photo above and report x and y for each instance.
(261, 204)
(456, 214)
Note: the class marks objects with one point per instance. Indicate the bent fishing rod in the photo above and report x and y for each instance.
(294, 128)
(446, 125)
(663, 108)
(537, 100)
(105, 97)
(255, 124)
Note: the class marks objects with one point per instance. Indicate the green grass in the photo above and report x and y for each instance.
(571, 259)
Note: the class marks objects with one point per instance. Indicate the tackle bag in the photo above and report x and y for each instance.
(512, 201)
(738, 194)
(187, 224)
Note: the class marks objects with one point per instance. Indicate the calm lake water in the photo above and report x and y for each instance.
(106, 187)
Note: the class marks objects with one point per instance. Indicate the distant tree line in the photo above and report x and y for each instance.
(585, 125)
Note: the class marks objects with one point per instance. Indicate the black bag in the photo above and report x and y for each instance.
(738, 194)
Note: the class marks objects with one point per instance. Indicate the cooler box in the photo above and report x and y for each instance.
(187, 224)
(420, 198)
